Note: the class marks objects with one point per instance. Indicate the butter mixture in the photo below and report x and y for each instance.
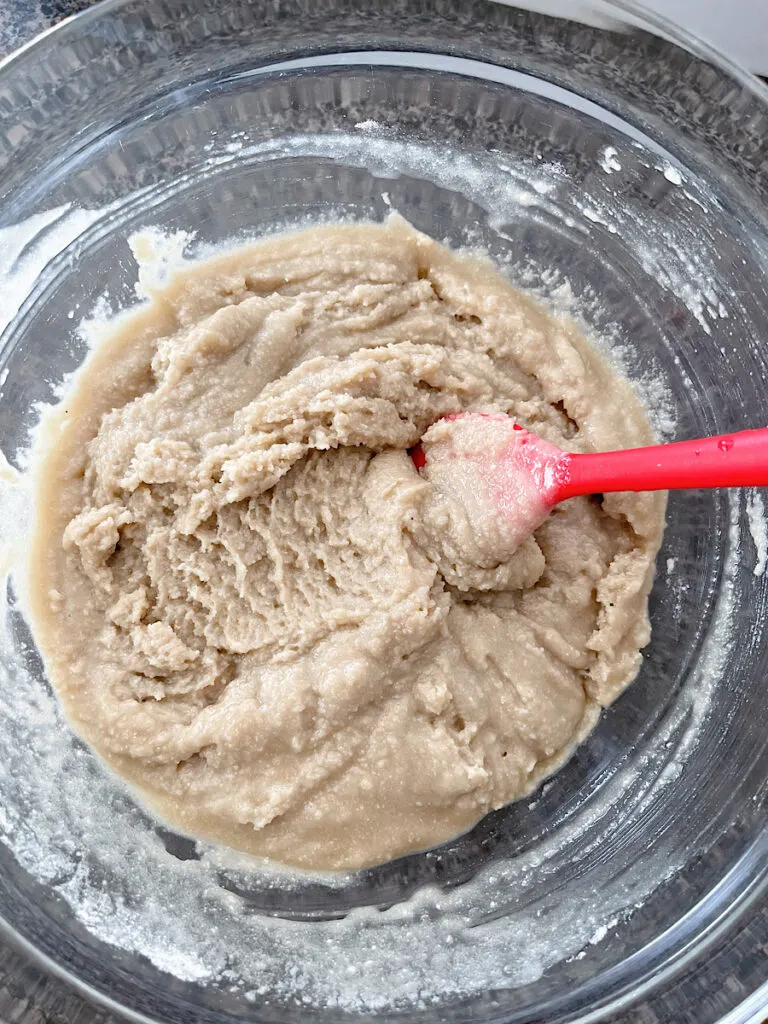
(259, 613)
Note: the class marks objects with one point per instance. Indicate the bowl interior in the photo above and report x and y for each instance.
(624, 863)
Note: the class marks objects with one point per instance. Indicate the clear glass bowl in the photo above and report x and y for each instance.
(619, 170)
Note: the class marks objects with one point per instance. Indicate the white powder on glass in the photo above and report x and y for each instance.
(609, 160)
(758, 529)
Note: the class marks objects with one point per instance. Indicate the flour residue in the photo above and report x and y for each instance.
(367, 126)
(28, 248)
(758, 529)
(609, 160)
(672, 174)
(157, 254)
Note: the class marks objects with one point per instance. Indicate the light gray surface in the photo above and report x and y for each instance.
(738, 28)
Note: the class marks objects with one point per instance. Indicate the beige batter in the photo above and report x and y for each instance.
(258, 612)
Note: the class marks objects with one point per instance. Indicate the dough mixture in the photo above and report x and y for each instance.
(259, 613)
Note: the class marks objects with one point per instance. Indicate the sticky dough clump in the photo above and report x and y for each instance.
(258, 612)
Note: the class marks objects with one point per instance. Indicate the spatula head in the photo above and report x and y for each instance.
(503, 477)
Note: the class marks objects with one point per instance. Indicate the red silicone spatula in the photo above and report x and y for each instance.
(536, 468)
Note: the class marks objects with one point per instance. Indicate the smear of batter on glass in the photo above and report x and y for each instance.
(243, 590)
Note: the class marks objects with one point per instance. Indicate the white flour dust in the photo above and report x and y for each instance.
(367, 126)
(28, 248)
(672, 174)
(74, 827)
(609, 160)
(758, 529)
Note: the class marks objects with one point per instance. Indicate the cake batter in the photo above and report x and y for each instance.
(259, 613)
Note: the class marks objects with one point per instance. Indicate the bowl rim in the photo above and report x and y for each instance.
(635, 11)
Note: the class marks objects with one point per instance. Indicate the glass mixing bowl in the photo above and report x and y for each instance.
(617, 169)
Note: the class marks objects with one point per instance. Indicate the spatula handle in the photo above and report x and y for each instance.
(729, 460)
